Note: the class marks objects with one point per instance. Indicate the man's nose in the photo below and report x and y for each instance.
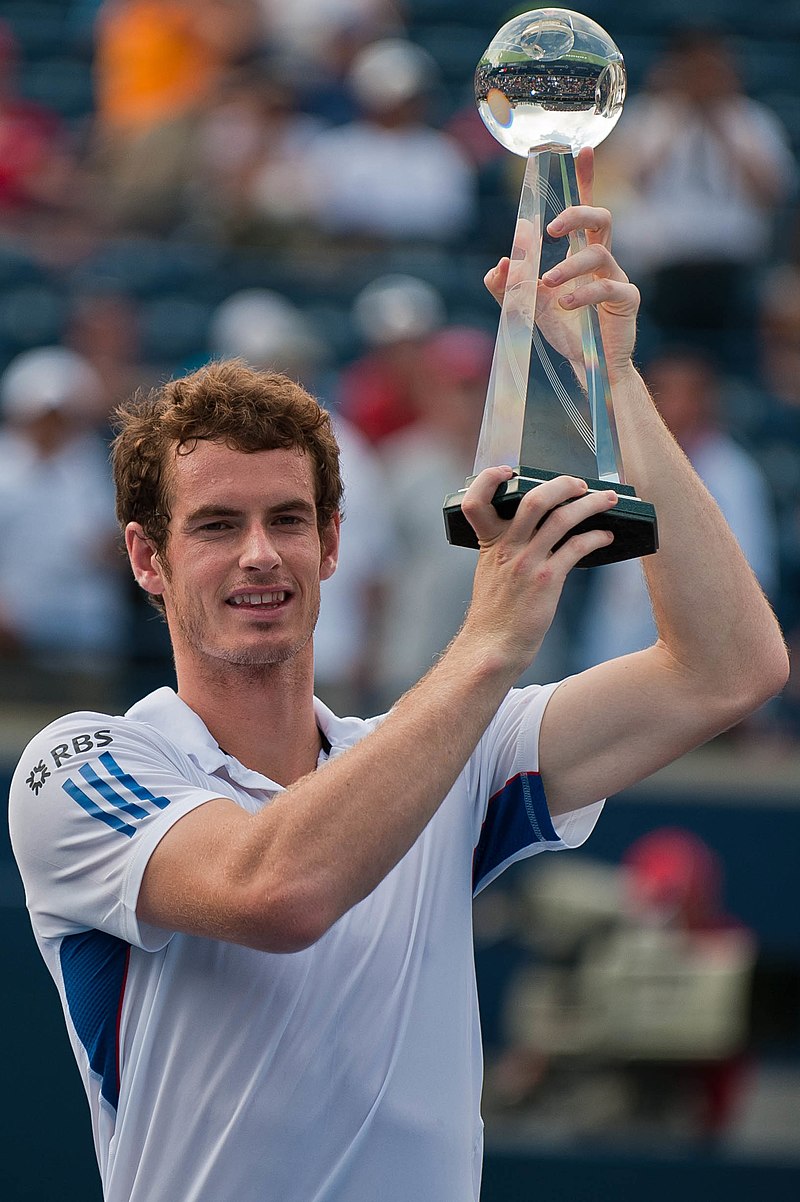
(258, 550)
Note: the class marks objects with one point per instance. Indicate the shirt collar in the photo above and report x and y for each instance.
(165, 710)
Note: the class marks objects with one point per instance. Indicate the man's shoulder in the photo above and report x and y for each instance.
(83, 726)
(80, 735)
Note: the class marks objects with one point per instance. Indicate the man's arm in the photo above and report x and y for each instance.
(720, 653)
(279, 879)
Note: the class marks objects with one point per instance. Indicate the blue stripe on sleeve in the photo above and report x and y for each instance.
(95, 811)
(516, 817)
(130, 782)
(109, 793)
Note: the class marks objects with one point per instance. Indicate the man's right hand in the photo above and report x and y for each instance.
(520, 575)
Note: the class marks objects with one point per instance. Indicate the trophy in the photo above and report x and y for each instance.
(550, 83)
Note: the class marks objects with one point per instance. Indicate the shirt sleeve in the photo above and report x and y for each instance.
(512, 820)
(90, 800)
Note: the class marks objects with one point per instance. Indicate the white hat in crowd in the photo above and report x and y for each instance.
(390, 72)
(266, 330)
(48, 378)
(397, 307)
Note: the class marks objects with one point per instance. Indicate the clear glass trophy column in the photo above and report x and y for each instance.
(550, 83)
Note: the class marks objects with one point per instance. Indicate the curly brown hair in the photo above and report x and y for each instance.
(225, 401)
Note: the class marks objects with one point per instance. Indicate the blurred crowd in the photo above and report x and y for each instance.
(629, 1004)
(309, 187)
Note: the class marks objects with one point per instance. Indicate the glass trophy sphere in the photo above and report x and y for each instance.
(552, 79)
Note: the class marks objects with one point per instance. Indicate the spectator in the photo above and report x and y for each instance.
(252, 151)
(687, 390)
(37, 166)
(62, 590)
(392, 176)
(267, 331)
(103, 328)
(779, 329)
(317, 42)
(634, 1013)
(674, 885)
(157, 63)
(706, 168)
(428, 582)
(394, 315)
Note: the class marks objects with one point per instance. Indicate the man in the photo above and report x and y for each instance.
(257, 914)
(57, 521)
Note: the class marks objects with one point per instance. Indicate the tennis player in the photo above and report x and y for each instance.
(257, 914)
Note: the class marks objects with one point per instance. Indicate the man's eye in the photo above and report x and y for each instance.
(213, 527)
(288, 519)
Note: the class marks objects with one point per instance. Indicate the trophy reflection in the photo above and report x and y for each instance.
(550, 83)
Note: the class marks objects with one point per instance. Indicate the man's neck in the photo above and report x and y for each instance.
(262, 716)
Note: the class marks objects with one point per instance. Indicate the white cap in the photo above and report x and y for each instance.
(390, 71)
(266, 330)
(396, 307)
(49, 378)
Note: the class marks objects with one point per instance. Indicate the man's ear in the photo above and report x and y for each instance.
(329, 547)
(145, 563)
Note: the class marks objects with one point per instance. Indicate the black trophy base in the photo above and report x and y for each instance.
(631, 521)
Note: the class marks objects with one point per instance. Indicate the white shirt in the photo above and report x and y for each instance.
(690, 201)
(347, 1071)
(618, 617)
(428, 583)
(341, 630)
(60, 588)
(391, 183)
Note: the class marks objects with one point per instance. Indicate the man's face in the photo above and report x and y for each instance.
(241, 573)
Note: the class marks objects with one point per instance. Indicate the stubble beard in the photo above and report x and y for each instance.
(194, 634)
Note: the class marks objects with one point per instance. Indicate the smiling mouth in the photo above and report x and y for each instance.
(258, 600)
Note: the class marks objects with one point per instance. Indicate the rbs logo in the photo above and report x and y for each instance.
(79, 746)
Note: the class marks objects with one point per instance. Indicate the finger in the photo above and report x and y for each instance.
(577, 548)
(584, 172)
(564, 518)
(497, 278)
(536, 506)
(596, 260)
(477, 503)
(596, 222)
(615, 296)
(531, 512)
(526, 238)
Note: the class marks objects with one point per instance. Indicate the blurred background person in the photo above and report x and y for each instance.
(394, 315)
(251, 180)
(674, 886)
(62, 585)
(157, 64)
(428, 583)
(689, 393)
(103, 327)
(38, 169)
(392, 175)
(316, 42)
(630, 1009)
(704, 170)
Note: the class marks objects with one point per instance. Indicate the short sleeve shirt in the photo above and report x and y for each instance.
(349, 1070)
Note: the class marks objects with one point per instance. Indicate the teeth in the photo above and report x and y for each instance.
(259, 598)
